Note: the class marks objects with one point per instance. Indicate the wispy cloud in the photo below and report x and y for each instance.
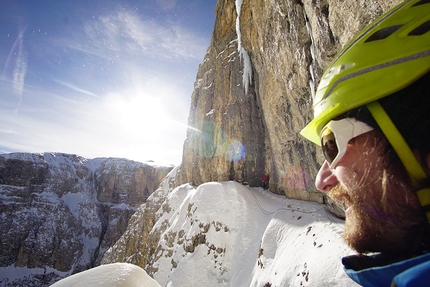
(135, 70)
(75, 88)
(20, 69)
(132, 124)
(127, 33)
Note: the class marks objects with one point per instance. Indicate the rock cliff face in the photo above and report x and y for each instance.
(60, 213)
(139, 242)
(253, 90)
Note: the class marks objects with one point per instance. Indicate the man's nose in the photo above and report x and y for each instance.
(325, 179)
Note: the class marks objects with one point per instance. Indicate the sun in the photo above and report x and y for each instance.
(139, 114)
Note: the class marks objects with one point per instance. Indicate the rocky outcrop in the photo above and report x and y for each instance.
(138, 243)
(122, 182)
(242, 126)
(61, 212)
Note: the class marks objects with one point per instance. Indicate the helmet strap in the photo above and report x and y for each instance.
(404, 152)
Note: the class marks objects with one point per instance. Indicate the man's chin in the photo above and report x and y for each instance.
(359, 237)
(354, 235)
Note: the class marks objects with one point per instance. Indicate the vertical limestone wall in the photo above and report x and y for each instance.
(239, 135)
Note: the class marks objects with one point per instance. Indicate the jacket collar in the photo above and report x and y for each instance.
(377, 270)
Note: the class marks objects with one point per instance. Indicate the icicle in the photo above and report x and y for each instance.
(247, 67)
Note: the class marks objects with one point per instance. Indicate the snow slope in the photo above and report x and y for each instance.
(228, 234)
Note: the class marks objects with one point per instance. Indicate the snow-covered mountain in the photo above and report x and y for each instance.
(229, 234)
(60, 212)
(219, 233)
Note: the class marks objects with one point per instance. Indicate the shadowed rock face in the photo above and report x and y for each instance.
(61, 212)
(241, 135)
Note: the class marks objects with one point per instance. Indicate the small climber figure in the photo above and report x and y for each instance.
(265, 181)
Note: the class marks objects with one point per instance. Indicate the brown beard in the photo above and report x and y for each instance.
(386, 223)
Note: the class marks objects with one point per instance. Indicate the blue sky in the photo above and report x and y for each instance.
(100, 78)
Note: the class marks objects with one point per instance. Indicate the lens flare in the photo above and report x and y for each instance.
(236, 151)
(210, 140)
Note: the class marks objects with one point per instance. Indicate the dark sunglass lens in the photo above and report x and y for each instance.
(329, 147)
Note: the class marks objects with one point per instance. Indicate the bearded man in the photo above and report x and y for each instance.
(372, 120)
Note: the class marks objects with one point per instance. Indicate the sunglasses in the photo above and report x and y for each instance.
(336, 135)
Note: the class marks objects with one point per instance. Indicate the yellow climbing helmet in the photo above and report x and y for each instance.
(385, 57)
(388, 55)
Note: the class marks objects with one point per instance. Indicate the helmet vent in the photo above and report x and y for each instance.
(420, 30)
(383, 33)
(421, 3)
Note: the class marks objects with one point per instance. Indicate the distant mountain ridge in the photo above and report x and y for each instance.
(61, 212)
